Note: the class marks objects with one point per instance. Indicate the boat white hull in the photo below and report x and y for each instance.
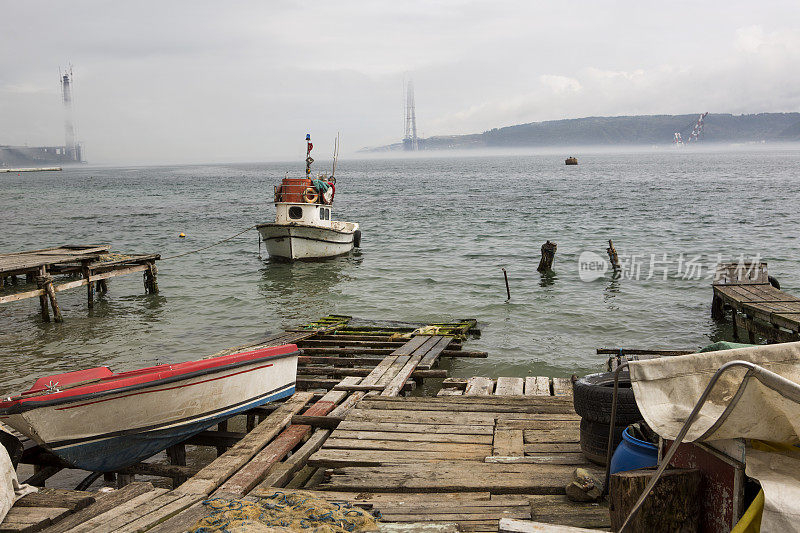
(107, 432)
(291, 241)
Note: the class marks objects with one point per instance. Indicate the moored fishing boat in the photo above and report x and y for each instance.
(303, 228)
(101, 421)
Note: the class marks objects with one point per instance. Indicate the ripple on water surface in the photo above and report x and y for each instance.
(436, 234)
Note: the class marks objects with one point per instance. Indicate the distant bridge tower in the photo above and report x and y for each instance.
(678, 139)
(698, 129)
(71, 149)
(410, 140)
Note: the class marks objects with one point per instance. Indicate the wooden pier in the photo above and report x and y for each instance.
(488, 449)
(757, 307)
(94, 264)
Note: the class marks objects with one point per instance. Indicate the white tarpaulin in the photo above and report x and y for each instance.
(10, 489)
(668, 388)
(779, 475)
(739, 406)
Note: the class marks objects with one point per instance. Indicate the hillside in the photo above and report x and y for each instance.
(629, 130)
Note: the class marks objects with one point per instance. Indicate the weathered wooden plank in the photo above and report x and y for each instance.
(539, 422)
(111, 516)
(512, 525)
(558, 509)
(146, 516)
(551, 435)
(575, 458)
(537, 386)
(382, 499)
(508, 442)
(422, 417)
(404, 373)
(74, 500)
(256, 469)
(450, 392)
(301, 477)
(479, 386)
(30, 519)
(282, 472)
(430, 358)
(552, 447)
(104, 503)
(543, 405)
(508, 386)
(458, 514)
(562, 387)
(491, 400)
(405, 427)
(455, 476)
(331, 457)
(376, 444)
(423, 436)
(218, 471)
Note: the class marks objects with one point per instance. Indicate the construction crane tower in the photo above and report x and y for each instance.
(698, 128)
(410, 139)
(71, 148)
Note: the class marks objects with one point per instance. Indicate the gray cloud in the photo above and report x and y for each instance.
(243, 81)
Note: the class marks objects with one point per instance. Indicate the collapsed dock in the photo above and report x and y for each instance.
(93, 264)
(469, 457)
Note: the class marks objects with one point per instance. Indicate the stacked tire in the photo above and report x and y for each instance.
(592, 399)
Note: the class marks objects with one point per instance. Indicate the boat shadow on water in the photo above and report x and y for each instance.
(306, 286)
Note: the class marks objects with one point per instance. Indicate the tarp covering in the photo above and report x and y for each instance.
(10, 489)
(666, 390)
(779, 475)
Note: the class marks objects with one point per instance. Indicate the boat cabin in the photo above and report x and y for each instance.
(303, 213)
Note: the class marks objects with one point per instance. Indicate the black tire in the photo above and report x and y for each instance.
(594, 440)
(593, 394)
(357, 239)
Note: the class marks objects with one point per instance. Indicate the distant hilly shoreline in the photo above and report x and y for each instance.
(623, 130)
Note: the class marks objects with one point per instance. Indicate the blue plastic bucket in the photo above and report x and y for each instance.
(633, 453)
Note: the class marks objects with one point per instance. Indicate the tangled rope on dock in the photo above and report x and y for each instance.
(283, 511)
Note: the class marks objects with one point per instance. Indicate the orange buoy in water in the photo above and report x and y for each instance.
(182, 235)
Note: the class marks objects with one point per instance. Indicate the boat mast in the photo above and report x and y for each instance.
(309, 159)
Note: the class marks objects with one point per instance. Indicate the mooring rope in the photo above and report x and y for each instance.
(209, 246)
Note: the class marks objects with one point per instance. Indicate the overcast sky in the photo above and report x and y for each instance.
(190, 81)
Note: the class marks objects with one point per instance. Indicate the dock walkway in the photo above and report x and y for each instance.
(757, 307)
(468, 459)
(95, 264)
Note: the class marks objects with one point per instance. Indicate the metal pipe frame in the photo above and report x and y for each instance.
(785, 387)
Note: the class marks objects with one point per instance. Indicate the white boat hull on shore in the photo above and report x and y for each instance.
(108, 430)
(296, 241)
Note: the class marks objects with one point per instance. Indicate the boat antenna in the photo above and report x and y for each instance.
(335, 154)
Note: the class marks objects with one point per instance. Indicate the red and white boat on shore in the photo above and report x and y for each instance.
(101, 421)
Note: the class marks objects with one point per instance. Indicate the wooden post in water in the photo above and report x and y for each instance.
(43, 297)
(47, 282)
(548, 254)
(612, 256)
(508, 291)
(222, 426)
(151, 278)
(177, 456)
(87, 273)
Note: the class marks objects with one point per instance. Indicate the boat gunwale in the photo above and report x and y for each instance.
(295, 225)
(21, 405)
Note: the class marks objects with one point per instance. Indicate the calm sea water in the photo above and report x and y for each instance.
(436, 233)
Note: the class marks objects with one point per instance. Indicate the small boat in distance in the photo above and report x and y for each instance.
(571, 161)
(303, 228)
(101, 421)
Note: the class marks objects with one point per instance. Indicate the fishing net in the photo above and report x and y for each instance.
(283, 511)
